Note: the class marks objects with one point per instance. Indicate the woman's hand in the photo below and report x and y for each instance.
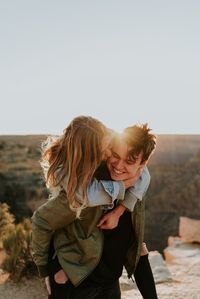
(61, 277)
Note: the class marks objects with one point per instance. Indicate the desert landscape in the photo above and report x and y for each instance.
(174, 192)
(176, 278)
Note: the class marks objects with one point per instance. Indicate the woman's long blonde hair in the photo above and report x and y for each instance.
(71, 159)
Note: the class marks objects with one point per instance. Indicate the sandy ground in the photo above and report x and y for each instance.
(26, 289)
(185, 285)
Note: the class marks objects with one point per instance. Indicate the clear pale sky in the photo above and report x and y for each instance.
(120, 61)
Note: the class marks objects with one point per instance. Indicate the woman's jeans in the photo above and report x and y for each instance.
(86, 290)
(68, 291)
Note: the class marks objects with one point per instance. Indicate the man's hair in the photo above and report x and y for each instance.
(139, 139)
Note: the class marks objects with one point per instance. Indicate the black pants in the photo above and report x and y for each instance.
(84, 291)
(68, 291)
(143, 277)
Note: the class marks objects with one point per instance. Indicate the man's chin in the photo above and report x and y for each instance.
(116, 177)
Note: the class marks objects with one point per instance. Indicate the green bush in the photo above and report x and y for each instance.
(6, 221)
(16, 244)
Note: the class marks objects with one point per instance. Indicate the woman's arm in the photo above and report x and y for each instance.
(137, 192)
(132, 195)
(101, 192)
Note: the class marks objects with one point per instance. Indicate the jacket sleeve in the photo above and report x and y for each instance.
(105, 193)
(52, 215)
(101, 192)
(138, 191)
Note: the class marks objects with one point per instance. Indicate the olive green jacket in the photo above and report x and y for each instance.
(78, 242)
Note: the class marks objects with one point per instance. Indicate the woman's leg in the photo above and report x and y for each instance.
(58, 291)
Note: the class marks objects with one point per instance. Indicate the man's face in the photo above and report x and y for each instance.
(120, 164)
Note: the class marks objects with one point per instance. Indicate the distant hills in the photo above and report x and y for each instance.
(175, 148)
(174, 189)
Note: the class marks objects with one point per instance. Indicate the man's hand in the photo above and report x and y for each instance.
(47, 283)
(111, 219)
(61, 277)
